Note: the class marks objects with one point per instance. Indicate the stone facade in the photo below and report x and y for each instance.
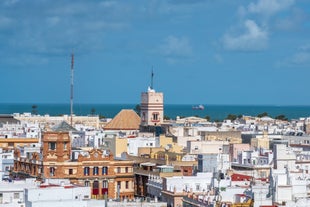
(95, 168)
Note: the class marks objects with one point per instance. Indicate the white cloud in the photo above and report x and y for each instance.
(5, 22)
(54, 28)
(293, 21)
(218, 58)
(254, 38)
(10, 2)
(175, 47)
(52, 21)
(305, 48)
(299, 59)
(269, 7)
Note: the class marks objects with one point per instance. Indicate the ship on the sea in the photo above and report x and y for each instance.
(198, 107)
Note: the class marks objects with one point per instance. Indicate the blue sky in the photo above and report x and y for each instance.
(201, 51)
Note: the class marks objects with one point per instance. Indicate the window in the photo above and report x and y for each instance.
(118, 170)
(87, 183)
(95, 171)
(86, 171)
(197, 186)
(105, 184)
(70, 171)
(96, 184)
(65, 145)
(118, 184)
(52, 145)
(16, 195)
(155, 116)
(95, 190)
(126, 169)
(104, 170)
(52, 171)
(127, 184)
(143, 116)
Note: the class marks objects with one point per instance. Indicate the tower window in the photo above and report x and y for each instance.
(155, 116)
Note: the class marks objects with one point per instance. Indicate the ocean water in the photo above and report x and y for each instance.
(215, 112)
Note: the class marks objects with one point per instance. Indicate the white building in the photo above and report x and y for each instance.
(133, 144)
(213, 162)
(204, 147)
(201, 182)
(6, 162)
(52, 193)
(12, 193)
(284, 157)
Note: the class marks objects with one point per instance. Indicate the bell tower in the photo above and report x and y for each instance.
(152, 107)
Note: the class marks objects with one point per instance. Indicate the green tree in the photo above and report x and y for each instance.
(262, 114)
(166, 117)
(231, 117)
(281, 117)
(207, 117)
(137, 109)
(92, 111)
(101, 116)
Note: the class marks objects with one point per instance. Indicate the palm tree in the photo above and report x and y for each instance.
(34, 109)
(92, 111)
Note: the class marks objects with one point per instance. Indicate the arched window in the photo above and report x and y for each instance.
(104, 170)
(86, 171)
(95, 170)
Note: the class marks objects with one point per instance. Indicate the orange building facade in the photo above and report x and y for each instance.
(95, 168)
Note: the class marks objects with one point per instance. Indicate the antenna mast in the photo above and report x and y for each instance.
(71, 92)
(152, 75)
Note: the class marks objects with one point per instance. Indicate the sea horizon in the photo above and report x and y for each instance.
(214, 111)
